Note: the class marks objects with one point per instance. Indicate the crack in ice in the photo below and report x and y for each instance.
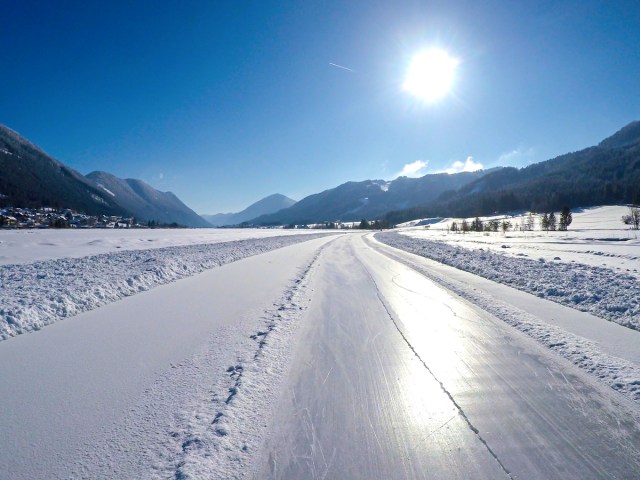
(444, 389)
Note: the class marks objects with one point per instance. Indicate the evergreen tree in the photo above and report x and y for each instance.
(552, 221)
(565, 218)
(544, 222)
(530, 222)
(476, 225)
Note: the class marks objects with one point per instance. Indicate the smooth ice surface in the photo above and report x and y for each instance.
(605, 349)
(394, 377)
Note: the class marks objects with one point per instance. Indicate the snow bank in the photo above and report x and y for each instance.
(603, 292)
(220, 440)
(37, 294)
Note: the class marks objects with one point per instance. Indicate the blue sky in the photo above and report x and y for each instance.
(224, 103)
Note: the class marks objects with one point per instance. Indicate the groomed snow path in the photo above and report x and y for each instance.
(155, 385)
(395, 377)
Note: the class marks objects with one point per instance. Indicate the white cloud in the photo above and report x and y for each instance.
(469, 165)
(414, 169)
(517, 157)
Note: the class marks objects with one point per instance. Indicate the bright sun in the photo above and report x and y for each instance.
(430, 74)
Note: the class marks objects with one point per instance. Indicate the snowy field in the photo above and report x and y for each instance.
(27, 246)
(596, 237)
(76, 271)
(593, 267)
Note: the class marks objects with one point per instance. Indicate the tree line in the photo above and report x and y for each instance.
(548, 222)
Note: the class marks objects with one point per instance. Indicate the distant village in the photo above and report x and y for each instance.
(12, 218)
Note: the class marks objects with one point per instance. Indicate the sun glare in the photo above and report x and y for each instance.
(430, 74)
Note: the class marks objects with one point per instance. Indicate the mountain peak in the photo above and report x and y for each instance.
(277, 196)
(626, 136)
(13, 138)
(145, 202)
(270, 204)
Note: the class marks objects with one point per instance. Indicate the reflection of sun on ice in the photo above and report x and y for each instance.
(430, 74)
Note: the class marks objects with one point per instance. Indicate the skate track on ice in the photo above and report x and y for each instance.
(394, 377)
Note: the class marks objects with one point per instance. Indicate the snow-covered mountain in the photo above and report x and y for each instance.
(145, 202)
(31, 178)
(271, 204)
(368, 199)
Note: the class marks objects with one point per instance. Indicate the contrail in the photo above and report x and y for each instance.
(340, 66)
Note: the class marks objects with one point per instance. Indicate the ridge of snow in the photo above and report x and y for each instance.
(98, 199)
(598, 290)
(37, 294)
(106, 190)
(242, 402)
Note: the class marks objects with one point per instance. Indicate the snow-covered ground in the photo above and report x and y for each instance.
(336, 357)
(27, 246)
(596, 237)
(175, 382)
(593, 267)
(36, 294)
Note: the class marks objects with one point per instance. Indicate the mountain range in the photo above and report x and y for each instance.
(353, 201)
(31, 178)
(607, 173)
(271, 204)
